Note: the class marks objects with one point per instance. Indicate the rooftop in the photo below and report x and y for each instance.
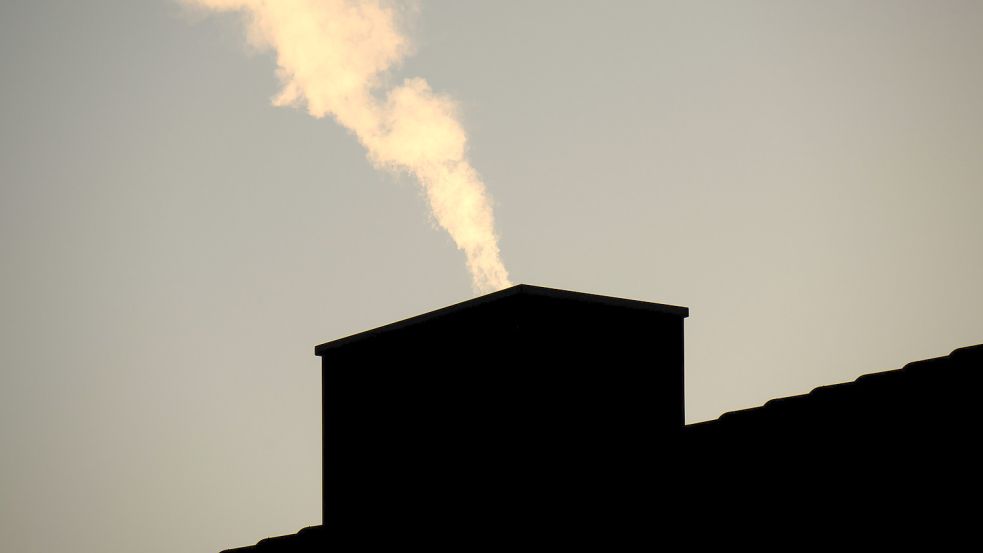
(520, 291)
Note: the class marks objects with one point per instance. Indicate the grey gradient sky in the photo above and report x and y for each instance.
(807, 177)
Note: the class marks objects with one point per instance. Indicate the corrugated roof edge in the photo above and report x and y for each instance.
(299, 541)
(975, 351)
(523, 289)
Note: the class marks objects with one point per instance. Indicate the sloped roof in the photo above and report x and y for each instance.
(307, 540)
(474, 306)
(929, 396)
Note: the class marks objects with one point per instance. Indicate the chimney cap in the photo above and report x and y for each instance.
(517, 290)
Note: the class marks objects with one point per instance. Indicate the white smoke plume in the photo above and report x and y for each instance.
(331, 55)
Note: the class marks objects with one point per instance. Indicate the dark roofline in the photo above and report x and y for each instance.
(778, 404)
(304, 540)
(519, 289)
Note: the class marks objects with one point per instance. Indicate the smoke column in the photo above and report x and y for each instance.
(330, 57)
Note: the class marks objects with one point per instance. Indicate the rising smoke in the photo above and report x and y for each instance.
(331, 55)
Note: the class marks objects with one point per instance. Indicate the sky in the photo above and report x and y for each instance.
(804, 176)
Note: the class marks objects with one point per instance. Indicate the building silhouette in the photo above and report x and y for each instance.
(555, 419)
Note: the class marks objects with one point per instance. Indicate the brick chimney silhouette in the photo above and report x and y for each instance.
(526, 407)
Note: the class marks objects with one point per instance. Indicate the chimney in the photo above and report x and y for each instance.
(528, 406)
